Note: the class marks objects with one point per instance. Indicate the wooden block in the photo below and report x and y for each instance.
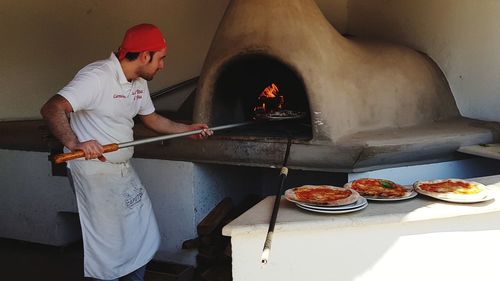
(215, 217)
(165, 271)
(207, 239)
(203, 261)
(249, 201)
(218, 273)
(191, 243)
(228, 250)
(210, 250)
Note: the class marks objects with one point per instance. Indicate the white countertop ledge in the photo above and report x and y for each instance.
(420, 208)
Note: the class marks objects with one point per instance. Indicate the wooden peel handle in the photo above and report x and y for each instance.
(63, 157)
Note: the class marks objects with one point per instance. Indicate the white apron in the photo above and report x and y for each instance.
(119, 228)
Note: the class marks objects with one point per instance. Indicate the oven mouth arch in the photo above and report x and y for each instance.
(240, 80)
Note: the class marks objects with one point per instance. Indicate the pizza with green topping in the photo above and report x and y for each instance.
(378, 188)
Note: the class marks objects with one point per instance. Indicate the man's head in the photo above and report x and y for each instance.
(144, 45)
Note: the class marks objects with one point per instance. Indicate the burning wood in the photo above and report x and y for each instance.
(271, 105)
(269, 100)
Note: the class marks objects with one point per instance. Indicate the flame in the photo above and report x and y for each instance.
(269, 100)
(270, 91)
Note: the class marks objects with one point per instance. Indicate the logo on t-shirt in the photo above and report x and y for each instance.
(137, 94)
(119, 96)
(133, 196)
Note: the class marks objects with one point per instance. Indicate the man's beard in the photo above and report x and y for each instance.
(147, 77)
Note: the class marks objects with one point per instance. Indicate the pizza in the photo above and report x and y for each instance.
(378, 188)
(281, 115)
(324, 195)
(452, 189)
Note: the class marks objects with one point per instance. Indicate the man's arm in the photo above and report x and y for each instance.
(164, 125)
(55, 113)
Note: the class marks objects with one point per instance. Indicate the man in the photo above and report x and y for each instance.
(119, 229)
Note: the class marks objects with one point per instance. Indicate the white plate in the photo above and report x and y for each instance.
(411, 195)
(333, 211)
(487, 197)
(361, 201)
(473, 198)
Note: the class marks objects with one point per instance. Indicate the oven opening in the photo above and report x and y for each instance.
(259, 87)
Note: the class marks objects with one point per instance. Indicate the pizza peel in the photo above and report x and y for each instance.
(280, 115)
(63, 157)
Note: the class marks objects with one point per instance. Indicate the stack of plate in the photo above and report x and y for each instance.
(356, 206)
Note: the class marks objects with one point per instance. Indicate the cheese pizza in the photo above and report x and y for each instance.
(452, 189)
(378, 188)
(324, 195)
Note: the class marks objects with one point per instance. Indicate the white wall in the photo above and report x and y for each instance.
(47, 42)
(31, 200)
(44, 43)
(170, 185)
(462, 36)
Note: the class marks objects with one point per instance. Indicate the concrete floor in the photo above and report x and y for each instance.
(23, 261)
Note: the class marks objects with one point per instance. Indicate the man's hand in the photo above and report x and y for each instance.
(204, 134)
(91, 148)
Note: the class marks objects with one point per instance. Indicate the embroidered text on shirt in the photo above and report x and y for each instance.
(137, 94)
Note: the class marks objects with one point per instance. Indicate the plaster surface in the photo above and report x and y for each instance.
(35, 206)
(352, 84)
(460, 36)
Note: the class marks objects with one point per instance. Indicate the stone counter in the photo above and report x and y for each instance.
(416, 239)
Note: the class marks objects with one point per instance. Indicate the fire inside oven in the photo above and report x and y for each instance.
(259, 87)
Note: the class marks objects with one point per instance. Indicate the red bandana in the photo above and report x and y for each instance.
(140, 38)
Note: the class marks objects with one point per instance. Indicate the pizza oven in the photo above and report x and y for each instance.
(262, 88)
(364, 104)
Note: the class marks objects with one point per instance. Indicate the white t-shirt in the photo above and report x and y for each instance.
(104, 105)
